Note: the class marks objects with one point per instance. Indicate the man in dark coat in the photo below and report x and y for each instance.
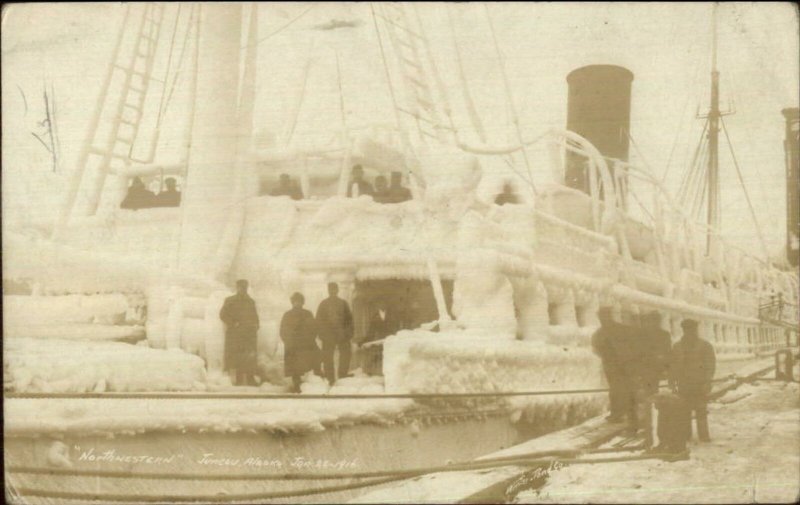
(299, 335)
(654, 347)
(507, 196)
(170, 197)
(335, 326)
(397, 192)
(692, 367)
(287, 187)
(358, 180)
(614, 343)
(657, 345)
(241, 321)
(381, 194)
(138, 196)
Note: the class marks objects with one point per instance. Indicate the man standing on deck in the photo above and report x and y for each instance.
(241, 323)
(299, 334)
(170, 197)
(397, 192)
(335, 327)
(692, 367)
(362, 186)
(613, 342)
(287, 187)
(381, 194)
(138, 196)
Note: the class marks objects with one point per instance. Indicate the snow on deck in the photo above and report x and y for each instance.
(78, 366)
(754, 457)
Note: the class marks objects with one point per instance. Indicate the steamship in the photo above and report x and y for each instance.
(495, 298)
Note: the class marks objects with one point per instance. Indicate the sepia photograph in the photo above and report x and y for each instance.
(401, 252)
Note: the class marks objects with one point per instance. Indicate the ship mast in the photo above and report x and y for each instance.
(714, 114)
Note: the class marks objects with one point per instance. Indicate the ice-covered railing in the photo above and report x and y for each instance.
(674, 232)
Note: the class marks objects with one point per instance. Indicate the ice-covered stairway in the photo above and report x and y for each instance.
(74, 317)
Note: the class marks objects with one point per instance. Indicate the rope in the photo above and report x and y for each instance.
(304, 492)
(473, 113)
(341, 92)
(454, 467)
(169, 67)
(301, 96)
(687, 176)
(256, 396)
(744, 189)
(181, 57)
(386, 70)
(534, 459)
(287, 25)
(509, 98)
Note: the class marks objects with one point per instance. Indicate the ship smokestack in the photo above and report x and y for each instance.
(791, 145)
(598, 109)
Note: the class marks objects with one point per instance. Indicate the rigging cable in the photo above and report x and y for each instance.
(301, 95)
(683, 111)
(744, 189)
(690, 169)
(162, 106)
(287, 25)
(386, 71)
(169, 67)
(180, 59)
(509, 98)
(698, 176)
(475, 119)
(700, 186)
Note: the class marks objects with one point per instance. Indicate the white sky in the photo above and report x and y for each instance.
(665, 45)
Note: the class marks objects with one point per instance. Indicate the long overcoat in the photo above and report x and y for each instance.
(299, 335)
(241, 325)
(692, 367)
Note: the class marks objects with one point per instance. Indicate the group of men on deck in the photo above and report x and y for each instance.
(299, 330)
(381, 192)
(139, 197)
(636, 358)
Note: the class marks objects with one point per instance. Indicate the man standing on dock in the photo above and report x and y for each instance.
(241, 322)
(335, 326)
(613, 343)
(656, 345)
(692, 367)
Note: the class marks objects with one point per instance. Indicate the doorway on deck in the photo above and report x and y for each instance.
(383, 307)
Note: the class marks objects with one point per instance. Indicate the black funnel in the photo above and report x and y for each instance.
(598, 109)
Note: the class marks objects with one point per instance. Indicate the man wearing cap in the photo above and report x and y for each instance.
(170, 197)
(241, 322)
(335, 327)
(299, 334)
(692, 367)
(612, 342)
